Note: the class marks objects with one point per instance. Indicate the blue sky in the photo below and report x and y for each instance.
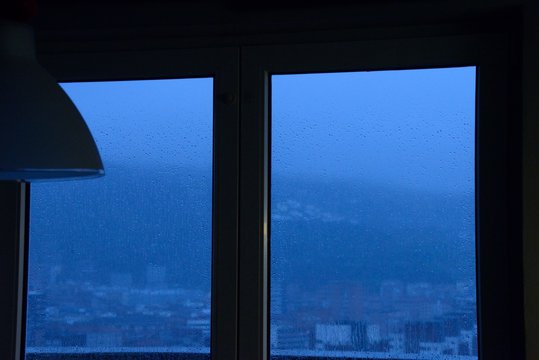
(140, 123)
(412, 128)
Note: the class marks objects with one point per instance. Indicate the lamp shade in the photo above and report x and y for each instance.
(42, 134)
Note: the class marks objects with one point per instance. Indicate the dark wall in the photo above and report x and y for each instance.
(531, 177)
(212, 22)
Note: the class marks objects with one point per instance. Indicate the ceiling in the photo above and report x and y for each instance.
(83, 21)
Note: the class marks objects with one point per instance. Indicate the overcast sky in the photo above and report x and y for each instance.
(152, 122)
(412, 128)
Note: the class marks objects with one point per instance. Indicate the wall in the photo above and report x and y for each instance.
(531, 177)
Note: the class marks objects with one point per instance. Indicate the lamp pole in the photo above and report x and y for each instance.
(13, 241)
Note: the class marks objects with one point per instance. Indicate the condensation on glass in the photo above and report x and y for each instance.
(122, 263)
(373, 215)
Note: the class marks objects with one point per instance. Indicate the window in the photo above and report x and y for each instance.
(372, 214)
(247, 191)
(161, 218)
(311, 80)
(123, 263)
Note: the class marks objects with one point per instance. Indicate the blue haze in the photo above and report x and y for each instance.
(384, 163)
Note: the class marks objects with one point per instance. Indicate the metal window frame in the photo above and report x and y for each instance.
(500, 331)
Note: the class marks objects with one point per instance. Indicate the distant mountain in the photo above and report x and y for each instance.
(338, 231)
(321, 230)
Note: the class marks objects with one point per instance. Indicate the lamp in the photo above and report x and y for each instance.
(42, 134)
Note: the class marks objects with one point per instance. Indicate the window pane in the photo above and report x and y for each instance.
(373, 215)
(122, 263)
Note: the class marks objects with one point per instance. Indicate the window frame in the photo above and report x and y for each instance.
(221, 64)
(241, 184)
(499, 331)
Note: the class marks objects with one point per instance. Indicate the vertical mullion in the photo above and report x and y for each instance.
(224, 312)
(253, 291)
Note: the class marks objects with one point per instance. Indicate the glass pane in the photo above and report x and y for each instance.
(122, 263)
(373, 215)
